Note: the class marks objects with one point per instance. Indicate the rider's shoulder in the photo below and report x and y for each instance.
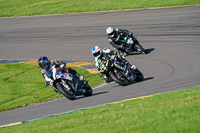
(106, 50)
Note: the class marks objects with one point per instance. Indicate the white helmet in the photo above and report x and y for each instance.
(96, 51)
(110, 31)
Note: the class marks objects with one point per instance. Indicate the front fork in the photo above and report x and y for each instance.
(65, 85)
(126, 72)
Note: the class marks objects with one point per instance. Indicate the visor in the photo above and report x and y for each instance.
(96, 54)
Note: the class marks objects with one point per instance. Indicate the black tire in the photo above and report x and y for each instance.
(70, 95)
(88, 92)
(139, 48)
(138, 76)
(114, 77)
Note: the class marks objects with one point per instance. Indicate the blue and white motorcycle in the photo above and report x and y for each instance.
(66, 83)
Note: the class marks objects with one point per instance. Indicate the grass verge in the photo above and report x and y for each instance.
(177, 111)
(22, 84)
(40, 7)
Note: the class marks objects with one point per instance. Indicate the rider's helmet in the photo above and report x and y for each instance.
(110, 32)
(43, 61)
(96, 51)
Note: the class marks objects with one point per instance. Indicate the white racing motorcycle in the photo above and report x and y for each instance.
(66, 83)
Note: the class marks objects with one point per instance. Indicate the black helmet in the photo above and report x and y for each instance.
(43, 61)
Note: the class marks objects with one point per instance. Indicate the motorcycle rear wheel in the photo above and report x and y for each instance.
(70, 95)
(139, 48)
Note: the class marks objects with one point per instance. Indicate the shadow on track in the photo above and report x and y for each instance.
(98, 93)
(148, 51)
(145, 79)
(134, 82)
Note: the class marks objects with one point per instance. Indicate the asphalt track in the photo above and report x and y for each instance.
(174, 64)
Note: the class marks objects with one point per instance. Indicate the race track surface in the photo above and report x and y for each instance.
(173, 33)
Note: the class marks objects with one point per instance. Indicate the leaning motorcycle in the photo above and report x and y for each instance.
(66, 83)
(131, 45)
(120, 76)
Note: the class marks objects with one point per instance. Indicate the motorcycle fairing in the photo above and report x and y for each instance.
(67, 76)
(57, 74)
(48, 80)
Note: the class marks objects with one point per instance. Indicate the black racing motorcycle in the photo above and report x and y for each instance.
(131, 45)
(66, 83)
(122, 76)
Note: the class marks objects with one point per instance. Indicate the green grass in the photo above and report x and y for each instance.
(22, 85)
(172, 112)
(38, 7)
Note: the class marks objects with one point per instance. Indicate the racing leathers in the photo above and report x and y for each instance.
(58, 64)
(117, 39)
(110, 54)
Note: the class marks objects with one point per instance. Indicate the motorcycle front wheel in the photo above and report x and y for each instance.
(118, 80)
(138, 76)
(88, 92)
(66, 92)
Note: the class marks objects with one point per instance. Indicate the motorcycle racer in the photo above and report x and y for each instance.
(116, 38)
(98, 53)
(43, 61)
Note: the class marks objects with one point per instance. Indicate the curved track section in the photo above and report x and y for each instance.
(174, 63)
